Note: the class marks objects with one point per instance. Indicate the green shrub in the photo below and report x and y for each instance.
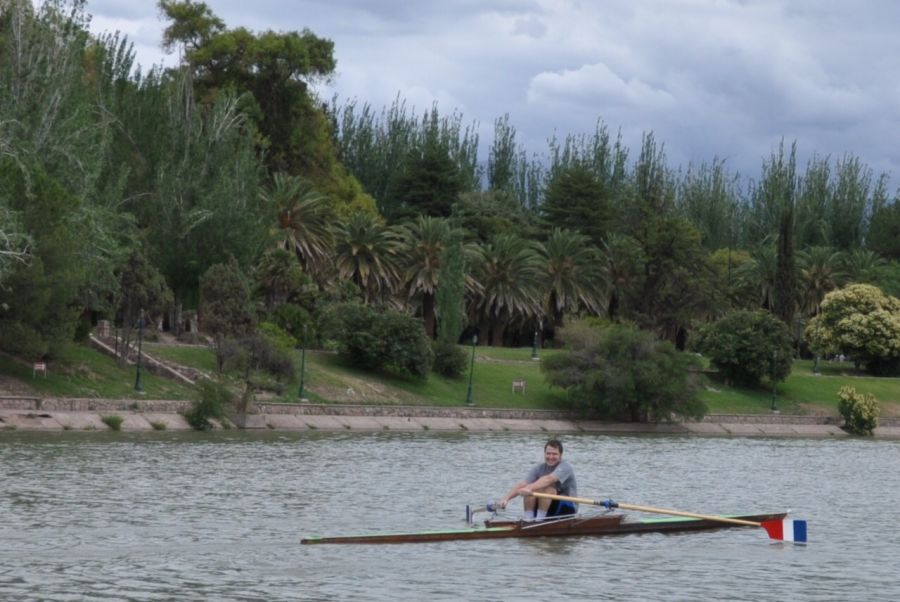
(158, 425)
(293, 319)
(277, 335)
(372, 339)
(449, 359)
(860, 411)
(212, 401)
(745, 346)
(114, 422)
(624, 373)
(258, 352)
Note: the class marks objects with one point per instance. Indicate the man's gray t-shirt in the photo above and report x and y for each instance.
(565, 485)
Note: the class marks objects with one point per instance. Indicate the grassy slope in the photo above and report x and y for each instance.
(82, 372)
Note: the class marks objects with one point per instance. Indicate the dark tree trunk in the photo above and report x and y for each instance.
(497, 329)
(484, 331)
(428, 314)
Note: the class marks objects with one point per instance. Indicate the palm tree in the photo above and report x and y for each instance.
(424, 241)
(571, 274)
(760, 274)
(819, 275)
(304, 219)
(862, 266)
(278, 275)
(509, 271)
(366, 254)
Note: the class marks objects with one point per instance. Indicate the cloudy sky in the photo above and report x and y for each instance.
(711, 78)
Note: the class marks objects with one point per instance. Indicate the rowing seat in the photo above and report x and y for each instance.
(518, 385)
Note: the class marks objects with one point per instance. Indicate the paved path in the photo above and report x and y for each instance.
(143, 415)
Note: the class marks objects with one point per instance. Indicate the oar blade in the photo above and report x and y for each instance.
(786, 530)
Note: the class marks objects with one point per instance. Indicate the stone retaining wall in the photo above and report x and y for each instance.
(75, 404)
(308, 409)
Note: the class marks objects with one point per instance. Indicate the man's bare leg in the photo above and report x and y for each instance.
(537, 508)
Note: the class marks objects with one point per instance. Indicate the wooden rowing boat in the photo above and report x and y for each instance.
(596, 525)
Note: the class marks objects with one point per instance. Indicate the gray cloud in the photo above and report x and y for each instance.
(711, 78)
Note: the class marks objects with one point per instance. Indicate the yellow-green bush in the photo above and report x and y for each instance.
(860, 411)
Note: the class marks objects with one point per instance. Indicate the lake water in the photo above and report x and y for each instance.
(190, 516)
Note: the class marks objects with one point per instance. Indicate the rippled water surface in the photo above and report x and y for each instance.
(165, 516)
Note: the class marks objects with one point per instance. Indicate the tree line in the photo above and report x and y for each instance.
(120, 189)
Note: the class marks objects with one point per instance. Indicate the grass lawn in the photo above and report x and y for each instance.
(495, 369)
(195, 356)
(804, 391)
(83, 372)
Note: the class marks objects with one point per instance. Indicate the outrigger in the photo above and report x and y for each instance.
(775, 524)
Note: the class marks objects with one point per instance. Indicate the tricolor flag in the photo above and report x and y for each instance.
(786, 530)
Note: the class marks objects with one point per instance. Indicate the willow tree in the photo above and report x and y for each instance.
(15, 244)
(193, 181)
(59, 213)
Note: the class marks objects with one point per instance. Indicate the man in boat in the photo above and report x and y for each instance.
(554, 476)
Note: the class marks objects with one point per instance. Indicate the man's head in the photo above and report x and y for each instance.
(553, 450)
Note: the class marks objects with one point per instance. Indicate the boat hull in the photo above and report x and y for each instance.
(601, 525)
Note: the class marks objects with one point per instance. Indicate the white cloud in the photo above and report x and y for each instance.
(597, 85)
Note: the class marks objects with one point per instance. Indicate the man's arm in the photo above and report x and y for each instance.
(523, 488)
(512, 493)
(542, 483)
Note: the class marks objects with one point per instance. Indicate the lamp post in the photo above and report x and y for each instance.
(469, 401)
(774, 390)
(138, 385)
(302, 363)
(816, 362)
(534, 346)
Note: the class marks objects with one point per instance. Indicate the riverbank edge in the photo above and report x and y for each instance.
(76, 414)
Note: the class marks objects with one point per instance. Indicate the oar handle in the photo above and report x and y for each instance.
(611, 504)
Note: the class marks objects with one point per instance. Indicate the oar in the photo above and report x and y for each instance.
(782, 530)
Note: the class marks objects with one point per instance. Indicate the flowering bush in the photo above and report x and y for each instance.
(862, 322)
(860, 411)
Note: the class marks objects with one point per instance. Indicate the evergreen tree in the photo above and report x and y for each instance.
(778, 191)
(450, 295)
